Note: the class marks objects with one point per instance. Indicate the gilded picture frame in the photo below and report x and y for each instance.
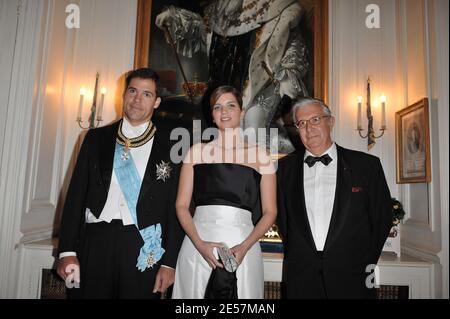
(413, 143)
(316, 15)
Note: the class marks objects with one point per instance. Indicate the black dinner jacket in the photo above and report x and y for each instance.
(91, 180)
(360, 223)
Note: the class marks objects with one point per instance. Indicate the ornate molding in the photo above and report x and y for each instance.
(16, 143)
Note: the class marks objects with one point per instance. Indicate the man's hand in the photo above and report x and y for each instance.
(164, 278)
(68, 265)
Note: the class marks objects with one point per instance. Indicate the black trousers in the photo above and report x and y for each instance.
(108, 259)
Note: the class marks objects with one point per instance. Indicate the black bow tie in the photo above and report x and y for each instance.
(311, 160)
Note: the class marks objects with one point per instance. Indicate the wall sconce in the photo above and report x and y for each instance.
(370, 132)
(94, 110)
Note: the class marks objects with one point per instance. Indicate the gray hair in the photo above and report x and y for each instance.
(303, 101)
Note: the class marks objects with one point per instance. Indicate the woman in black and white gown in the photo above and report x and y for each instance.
(230, 182)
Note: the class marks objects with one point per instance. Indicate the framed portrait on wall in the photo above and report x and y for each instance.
(152, 49)
(413, 143)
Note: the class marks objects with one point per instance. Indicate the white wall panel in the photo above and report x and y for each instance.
(70, 58)
(407, 60)
(359, 53)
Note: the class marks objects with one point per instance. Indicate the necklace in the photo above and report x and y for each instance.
(136, 141)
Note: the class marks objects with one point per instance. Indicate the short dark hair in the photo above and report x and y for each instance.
(142, 73)
(215, 95)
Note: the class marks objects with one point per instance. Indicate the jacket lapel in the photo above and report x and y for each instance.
(299, 204)
(156, 156)
(106, 147)
(342, 199)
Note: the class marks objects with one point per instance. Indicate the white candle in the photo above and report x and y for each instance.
(100, 107)
(383, 112)
(80, 106)
(359, 119)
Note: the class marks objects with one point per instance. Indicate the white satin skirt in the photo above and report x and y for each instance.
(218, 223)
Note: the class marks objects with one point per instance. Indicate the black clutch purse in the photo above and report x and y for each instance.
(221, 285)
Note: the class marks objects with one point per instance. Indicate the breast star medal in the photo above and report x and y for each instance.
(163, 171)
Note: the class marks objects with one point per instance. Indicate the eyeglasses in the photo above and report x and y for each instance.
(316, 120)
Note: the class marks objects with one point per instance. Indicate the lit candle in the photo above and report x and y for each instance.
(359, 119)
(383, 111)
(80, 106)
(100, 107)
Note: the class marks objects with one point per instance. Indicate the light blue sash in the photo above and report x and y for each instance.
(130, 184)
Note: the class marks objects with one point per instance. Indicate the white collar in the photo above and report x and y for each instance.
(131, 131)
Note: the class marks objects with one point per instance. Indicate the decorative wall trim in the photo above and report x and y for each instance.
(419, 253)
(37, 233)
(434, 186)
(17, 141)
(37, 111)
(402, 33)
(422, 224)
(49, 114)
(33, 258)
(436, 281)
(438, 21)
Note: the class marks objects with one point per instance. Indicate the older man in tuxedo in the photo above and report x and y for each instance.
(119, 224)
(334, 211)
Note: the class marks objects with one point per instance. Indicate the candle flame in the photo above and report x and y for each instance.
(360, 98)
(383, 99)
(83, 91)
(103, 90)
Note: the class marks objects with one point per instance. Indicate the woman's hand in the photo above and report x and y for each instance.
(206, 248)
(239, 252)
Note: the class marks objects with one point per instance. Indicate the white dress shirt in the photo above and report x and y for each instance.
(116, 205)
(319, 182)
